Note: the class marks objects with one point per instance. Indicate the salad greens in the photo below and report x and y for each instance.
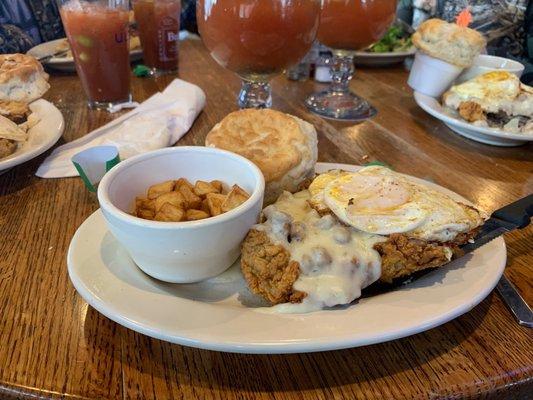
(396, 39)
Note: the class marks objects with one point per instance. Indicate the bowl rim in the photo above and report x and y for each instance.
(518, 66)
(107, 205)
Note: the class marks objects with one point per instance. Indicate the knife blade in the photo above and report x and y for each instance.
(516, 215)
(513, 216)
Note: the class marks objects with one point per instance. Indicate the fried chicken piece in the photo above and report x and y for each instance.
(270, 273)
(7, 147)
(471, 111)
(402, 256)
(16, 111)
(268, 269)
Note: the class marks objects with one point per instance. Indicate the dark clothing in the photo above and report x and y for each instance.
(25, 23)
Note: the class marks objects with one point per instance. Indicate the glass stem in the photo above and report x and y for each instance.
(342, 70)
(255, 95)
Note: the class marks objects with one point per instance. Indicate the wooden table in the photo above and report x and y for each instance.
(52, 344)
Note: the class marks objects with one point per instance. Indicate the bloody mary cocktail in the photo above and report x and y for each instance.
(354, 24)
(98, 36)
(257, 38)
(159, 26)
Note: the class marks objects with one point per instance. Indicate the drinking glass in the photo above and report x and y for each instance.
(97, 32)
(347, 26)
(159, 27)
(257, 39)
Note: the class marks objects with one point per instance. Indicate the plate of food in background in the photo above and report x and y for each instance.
(393, 48)
(29, 125)
(64, 60)
(306, 279)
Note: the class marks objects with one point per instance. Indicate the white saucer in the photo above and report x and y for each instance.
(221, 314)
(41, 137)
(481, 134)
(370, 59)
(67, 63)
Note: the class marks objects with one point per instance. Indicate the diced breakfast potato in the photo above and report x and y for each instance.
(193, 201)
(141, 202)
(193, 215)
(145, 214)
(202, 188)
(157, 190)
(214, 203)
(183, 181)
(174, 198)
(171, 213)
(205, 207)
(180, 200)
(234, 198)
(217, 185)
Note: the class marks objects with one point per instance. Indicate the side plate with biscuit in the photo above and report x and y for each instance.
(222, 314)
(45, 127)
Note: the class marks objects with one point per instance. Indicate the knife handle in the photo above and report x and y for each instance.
(518, 212)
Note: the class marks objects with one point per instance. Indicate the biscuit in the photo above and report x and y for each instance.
(449, 42)
(284, 147)
(22, 78)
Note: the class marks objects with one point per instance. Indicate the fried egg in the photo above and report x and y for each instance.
(379, 201)
(494, 91)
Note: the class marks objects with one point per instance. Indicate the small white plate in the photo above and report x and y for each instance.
(66, 63)
(41, 137)
(481, 134)
(221, 314)
(370, 59)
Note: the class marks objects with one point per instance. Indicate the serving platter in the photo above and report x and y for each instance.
(370, 59)
(496, 137)
(221, 314)
(67, 63)
(41, 136)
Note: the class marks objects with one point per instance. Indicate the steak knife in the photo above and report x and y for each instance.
(516, 215)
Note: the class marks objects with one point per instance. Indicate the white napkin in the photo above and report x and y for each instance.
(158, 122)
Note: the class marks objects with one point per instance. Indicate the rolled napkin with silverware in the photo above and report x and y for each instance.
(158, 122)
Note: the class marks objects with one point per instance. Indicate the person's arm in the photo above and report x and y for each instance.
(14, 40)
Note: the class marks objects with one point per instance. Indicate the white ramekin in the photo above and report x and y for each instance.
(432, 76)
(181, 251)
(486, 63)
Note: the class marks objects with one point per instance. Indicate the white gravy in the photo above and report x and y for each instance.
(336, 262)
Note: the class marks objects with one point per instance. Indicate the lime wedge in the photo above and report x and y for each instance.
(84, 40)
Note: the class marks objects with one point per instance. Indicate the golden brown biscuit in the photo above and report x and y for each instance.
(282, 146)
(22, 78)
(449, 42)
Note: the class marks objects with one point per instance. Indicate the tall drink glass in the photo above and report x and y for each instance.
(347, 26)
(159, 27)
(257, 39)
(97, 32)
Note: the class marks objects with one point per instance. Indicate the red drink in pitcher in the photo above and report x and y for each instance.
(98, 36)
(159, 26)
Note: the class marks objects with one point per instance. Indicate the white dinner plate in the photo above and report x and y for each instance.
(41, 137)
(221, 314)
(66, 63)
(492, 136)
(370, 59)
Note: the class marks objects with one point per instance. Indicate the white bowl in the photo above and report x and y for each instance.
(181, 251)
(486, 63)
(432, 76)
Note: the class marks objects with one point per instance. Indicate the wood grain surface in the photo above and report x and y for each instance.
(53, 345)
